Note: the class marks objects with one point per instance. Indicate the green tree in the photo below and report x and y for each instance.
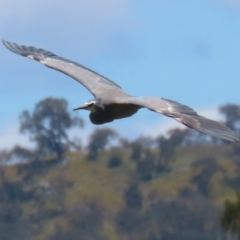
(133, 197)
(85, 221)
(208, 166)
(183, 219)
(4, 158)
(230, 220)
(231, 113)
(99, 140)
(47, 126)
(147, 167)
(114, 161)
(167, 146)
(144, 156)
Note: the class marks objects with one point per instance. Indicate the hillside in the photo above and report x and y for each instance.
(77, 198)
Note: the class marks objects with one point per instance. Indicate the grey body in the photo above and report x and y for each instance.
(111, 102)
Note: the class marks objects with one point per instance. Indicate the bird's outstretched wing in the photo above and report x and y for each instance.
(100, 86)
(97, 84)
(182, 114)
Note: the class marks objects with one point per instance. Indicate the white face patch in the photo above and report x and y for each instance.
(90, 105)
(92, 102)
(30, 56)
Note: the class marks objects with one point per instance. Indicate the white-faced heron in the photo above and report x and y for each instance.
(111, 102)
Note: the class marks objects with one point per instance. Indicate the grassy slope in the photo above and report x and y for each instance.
(94, 181)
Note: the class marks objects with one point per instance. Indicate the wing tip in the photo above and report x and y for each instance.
(14, 47)
(5, 43)
(234, 138)
(224, 134)
(37, 54)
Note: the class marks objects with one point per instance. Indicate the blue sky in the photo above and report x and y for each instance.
(185, 50)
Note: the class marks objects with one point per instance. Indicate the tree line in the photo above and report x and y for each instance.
(156, 218)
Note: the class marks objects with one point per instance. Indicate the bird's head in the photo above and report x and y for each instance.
(89, 105)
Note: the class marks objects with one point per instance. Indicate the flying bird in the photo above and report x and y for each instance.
(111, 102)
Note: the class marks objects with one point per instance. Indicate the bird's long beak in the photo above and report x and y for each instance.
(84, 106)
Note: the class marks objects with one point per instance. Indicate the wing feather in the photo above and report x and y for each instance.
(99, 86)
(96, 83)
(184, 115)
